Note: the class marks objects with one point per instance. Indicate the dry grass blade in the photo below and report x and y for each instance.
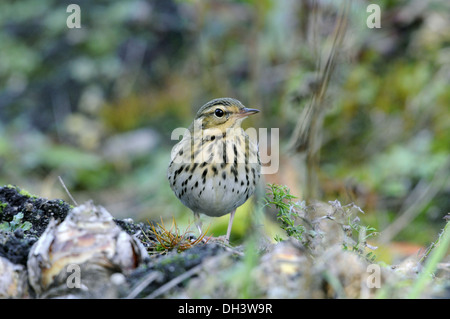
(152, 276)
(174, 282)
(307, 132)
(67, 191)
(418, 199)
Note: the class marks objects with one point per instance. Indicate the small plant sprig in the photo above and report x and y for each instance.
(170, 239)
(279, 196)
(363, 233)
(356, 235)
(16, 223)
(310, 232)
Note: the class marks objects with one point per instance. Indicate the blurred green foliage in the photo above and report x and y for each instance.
(68, 96)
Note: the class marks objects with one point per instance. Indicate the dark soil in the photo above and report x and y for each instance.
(15, 245)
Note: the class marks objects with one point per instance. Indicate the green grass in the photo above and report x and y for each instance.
(432, 257)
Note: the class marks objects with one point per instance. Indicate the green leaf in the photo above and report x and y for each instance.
(26, 226)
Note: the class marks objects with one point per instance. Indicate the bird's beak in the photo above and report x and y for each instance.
(246, 112)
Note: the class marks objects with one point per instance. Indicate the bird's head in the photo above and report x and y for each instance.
(222, 113)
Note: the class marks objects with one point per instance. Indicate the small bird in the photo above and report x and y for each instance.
(215, 167)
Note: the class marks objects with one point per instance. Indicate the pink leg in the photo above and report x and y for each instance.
(230, 224)
(198, 223)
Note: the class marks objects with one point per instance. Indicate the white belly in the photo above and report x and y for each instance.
(212, 187)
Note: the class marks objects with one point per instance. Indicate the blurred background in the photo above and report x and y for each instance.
(363, 114)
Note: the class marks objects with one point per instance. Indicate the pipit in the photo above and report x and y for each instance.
(215, 168)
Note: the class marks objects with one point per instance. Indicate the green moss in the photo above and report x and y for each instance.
(171, 259)
(22, 191)
(3, 206)
(27, 194)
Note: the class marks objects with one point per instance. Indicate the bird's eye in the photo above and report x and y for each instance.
(219, 112)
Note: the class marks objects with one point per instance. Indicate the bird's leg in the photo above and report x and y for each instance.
(230, 224)
(198, 223)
